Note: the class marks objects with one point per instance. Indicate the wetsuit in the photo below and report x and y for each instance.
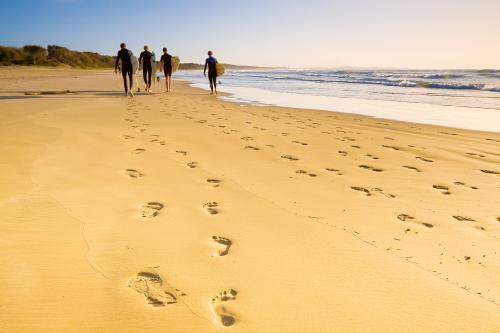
(124, 56)
(211, 63)
(147, 67)
(166, 59)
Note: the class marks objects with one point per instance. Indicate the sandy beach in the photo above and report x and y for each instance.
(183, 213)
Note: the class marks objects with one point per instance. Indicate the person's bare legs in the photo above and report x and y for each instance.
(169, 83)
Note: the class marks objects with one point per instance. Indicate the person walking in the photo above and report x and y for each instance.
(147, 67)
(124, 59)
(211, 64)
(166, 63)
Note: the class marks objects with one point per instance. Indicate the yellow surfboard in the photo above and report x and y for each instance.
(220, 69)
(176, 61)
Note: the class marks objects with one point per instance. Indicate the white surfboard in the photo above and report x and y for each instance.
(135, 64)
(154, 68)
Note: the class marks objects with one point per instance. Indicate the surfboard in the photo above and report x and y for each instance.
(220, 69)
(176, 61)
(154, 68)
(135, 64)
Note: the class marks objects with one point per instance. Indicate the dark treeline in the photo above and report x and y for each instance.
(53, 55)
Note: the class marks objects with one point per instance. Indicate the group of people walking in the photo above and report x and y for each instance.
(128, 64)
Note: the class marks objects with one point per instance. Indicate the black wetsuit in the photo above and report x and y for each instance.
(167, 64)
(211, 63)
(125, 56)
(147, 67)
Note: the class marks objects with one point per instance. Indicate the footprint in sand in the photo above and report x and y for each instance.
(390, 147)
(342, 153)
(336, 171)
(372, 157)
(346, 138)
(151, 286)
(424, 159)
(304, 172)
(491, 172)
(448, 133)
(369, 192)
(224, 317)
(214, 182)
(132, 173)
(158, 142)
(289, 157)
(463, 184)
(368, 167)
(474, 154)
(252, 147)
(444, 189)
(151, 209)
(192, 165)
(409, 218)
(300, 143)
(463, 218)
(224, 242)
(381, 192)
(182, 152)
(412, 168)
(489, 139)
(127, 137)
(138, 151)
(211, 207)
(362, 189)
(247, 138)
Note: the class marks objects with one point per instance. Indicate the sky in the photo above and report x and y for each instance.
(421, 34)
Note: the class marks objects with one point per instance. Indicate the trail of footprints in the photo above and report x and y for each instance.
(151, 284)
(446, 189)
(372, 191)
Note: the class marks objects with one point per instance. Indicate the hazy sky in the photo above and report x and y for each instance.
(312, 33)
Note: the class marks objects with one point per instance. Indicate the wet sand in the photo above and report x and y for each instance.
(183, 213)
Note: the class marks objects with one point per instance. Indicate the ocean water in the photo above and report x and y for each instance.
(467, 99)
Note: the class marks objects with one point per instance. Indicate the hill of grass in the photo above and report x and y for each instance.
(53, 55)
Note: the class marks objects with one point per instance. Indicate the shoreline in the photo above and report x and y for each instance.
(457, 117)
(183, 212)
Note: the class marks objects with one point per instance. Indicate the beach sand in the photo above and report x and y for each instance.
(183, 213)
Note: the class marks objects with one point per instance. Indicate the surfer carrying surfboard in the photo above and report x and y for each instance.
(147, 67)
(166, 63)
(211, 63)
(124, 57)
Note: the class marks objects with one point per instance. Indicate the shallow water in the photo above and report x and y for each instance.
(458, 98)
